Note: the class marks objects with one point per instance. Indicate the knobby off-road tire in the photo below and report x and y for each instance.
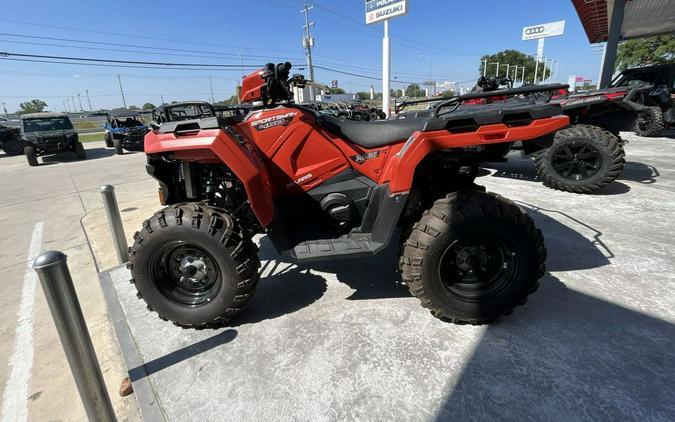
(78, 148)
(649, 123)
(108, 140)
(582, 159)
(119, 150)
(193, 266)
(31, 156)
(13, 147)
(473, 257)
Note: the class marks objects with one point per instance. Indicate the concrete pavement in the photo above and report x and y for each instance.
(336, 341)
(345, 341)
(59, 194)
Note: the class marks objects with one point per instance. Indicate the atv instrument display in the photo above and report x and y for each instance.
(321, 189)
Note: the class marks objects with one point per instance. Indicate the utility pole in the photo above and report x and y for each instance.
(211, 86)
(88, 100)
(4, 108)
(122, 91)
(307, 44)
(162, 98)
(555, 75)
(485, 67)
(79, 100)
(522, 77)
(497, 72)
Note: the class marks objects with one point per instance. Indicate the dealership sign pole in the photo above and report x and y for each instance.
(539, 32)
(383, 10)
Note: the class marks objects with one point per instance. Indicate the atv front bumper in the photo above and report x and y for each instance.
(52, 145)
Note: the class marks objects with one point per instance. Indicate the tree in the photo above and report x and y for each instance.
(361, 95)
(646, 51)
(399, 93)
(32, 106)
(413, 90)
(148, 106)
(512, 58)
(336, 91)
(133, 107)
(448, 94)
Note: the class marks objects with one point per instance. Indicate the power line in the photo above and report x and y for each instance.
(89, 59)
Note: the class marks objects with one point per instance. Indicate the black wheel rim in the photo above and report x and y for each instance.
(185, 273)
(576, 161)
(478, 267)
(644, 121)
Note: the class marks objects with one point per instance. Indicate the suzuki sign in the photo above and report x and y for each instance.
(378, 10)
(544, 30)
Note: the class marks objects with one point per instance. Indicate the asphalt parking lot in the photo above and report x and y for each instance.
(346, 341)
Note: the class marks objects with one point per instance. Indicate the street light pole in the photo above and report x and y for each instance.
(79, 100)
(88, 100)
(122, 91)
(211, 86)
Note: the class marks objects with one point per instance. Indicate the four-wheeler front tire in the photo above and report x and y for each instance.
(79, 151)
(119, 149)
(13, 147)
(582, 159)
(650, 123)
(193, 265)
(108, 140)
(473, 257)
(31, 155)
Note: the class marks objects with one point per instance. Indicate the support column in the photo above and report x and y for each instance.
(612, 43)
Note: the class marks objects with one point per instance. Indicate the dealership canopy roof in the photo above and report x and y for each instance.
(641, 18)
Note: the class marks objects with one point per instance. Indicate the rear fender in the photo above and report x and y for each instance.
(400, 168)
(226, 147)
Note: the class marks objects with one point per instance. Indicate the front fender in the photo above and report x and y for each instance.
(219, 146)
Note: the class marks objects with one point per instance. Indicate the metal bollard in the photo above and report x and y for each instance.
(52, 270)
(112, 211)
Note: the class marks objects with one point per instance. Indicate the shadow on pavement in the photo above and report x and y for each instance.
(568, 356)
(285, 290)
(182, 354)
(67, 157)
(639, 172)
(524, 169)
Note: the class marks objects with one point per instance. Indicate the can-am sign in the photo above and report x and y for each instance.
(377, 10)
(543, 30)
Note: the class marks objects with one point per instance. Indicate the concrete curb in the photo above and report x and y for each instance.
(147, 399)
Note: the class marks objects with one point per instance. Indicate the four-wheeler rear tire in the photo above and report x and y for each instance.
(649, 123)
(79, 151)
(473, 257)
(582, 159)
(31, 156)
(193, 265)
(119, 149)
(13, 147)
(108, 140)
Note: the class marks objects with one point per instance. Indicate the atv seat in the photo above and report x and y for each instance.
(372, 134)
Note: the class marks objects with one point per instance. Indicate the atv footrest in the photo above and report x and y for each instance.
(327, 248)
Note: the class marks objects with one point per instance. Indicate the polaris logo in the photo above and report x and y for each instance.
(360, 158)
(299, 180)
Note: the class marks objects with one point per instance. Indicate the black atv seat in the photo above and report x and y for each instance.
(372, 134)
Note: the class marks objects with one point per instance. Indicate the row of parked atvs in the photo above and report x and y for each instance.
(589, 154)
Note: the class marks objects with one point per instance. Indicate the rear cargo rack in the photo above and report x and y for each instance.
(456, 100)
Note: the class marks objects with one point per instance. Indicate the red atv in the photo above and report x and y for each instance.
(322, 189)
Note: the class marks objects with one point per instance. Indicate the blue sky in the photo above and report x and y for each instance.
(452, 35)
